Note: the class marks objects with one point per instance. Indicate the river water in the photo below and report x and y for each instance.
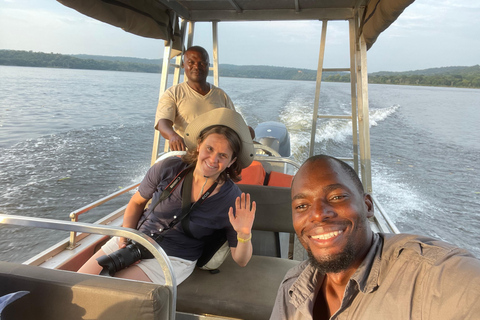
(70, 137)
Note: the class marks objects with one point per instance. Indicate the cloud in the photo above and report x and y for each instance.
(62, 30)
(430, 33)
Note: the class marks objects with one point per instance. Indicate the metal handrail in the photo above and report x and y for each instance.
(133, 234)
(332, 116)
(276, 159)
(74, 214)
(164, 155)
(389, 221)
(265, 148)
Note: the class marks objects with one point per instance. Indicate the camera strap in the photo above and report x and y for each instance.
(187, 207)
(172, 186)
(166, 193)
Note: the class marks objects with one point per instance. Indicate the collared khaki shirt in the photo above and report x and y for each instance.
(181, 104)
(402, 277)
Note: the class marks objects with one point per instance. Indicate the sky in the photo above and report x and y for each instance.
(429, 34)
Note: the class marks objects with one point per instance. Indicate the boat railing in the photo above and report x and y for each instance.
(262, 149)
(164, 155)
(382, 213)
(75, 214)
(133, 234)
(279, 160)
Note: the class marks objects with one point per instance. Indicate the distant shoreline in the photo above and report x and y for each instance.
(458, 77)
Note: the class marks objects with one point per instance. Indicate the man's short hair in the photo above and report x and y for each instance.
(199, 50)
(346, 168)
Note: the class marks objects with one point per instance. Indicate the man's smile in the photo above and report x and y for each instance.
(326, 236)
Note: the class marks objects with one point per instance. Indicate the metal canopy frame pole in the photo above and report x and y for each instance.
(191, 31)
(178, 59)
(321, 56)
(353, 83)
(215, 53)
(363, 114)
(164, 78)
(178, 65)
(163, 86)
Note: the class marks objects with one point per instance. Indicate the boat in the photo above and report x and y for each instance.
(56, 291)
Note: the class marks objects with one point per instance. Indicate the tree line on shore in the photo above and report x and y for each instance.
(55, 60)
(465, 77)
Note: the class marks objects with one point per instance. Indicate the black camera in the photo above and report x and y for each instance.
(123, 258)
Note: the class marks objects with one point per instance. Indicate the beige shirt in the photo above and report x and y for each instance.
(181, 104)
(402, 277)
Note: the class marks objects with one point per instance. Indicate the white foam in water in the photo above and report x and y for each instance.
(396, 196)
(297, 117)
(378, 115)
(408, 207)
(333, 129)
(339, 130)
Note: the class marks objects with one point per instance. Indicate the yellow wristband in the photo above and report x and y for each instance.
(244, 240)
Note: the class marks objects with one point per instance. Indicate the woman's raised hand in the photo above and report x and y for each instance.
(242, 221)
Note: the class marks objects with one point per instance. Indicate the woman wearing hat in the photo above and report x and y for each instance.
(219, 147)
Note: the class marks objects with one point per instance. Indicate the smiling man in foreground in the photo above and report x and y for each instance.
(354, 273)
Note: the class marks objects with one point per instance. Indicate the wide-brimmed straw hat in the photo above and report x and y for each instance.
(225, 117)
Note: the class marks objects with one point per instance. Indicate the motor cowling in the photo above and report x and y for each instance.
(274, 135)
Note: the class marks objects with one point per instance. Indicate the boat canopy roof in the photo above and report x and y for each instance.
(156, 18)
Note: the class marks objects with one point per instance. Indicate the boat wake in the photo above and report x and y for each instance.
(397, 195)
(378, 115)
(329, 131)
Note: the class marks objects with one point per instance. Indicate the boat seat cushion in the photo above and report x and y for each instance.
(253, 174)
(256, 174)
(278, 179)
(274, 208)
(244, 293)
(57, 294)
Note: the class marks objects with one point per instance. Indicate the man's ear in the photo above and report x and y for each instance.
(367, 198)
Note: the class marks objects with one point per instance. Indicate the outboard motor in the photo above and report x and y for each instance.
(274, 135)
